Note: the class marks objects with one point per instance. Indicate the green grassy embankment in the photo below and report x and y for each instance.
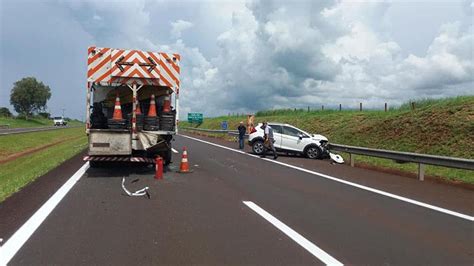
(31, 122)
(440, 127)
(34, 155)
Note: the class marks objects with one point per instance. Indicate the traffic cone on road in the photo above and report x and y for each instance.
(167, 105)
(152, 110)
(118, 109)
(184, 166)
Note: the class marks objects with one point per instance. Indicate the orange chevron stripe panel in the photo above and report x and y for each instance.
(109, 66)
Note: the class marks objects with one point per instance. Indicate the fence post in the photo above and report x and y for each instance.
(351, 158)
(340, 107)
(322, 107)
(308, 109)
(360, 106)
(385, 107)
(413, 106)
(421, 172)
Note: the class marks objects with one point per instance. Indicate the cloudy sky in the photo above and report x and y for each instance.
(243, 56)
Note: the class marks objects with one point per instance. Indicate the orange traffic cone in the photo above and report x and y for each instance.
(184, 166)
(118, 109)
(152, 110)
(167, 105)
(138, 111)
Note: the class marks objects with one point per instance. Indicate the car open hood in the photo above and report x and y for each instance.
(318, 137)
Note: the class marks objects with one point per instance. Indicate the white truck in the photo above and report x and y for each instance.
(59, 121)
(132, 105)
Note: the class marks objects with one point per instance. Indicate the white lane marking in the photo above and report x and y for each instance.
(18, 239)
(301, 240)
(175, 151)
(380, 192)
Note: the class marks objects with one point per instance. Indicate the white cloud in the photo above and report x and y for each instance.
(177, 27)
(242, 56)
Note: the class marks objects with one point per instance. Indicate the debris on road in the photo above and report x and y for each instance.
(336, 157)
(138, 193)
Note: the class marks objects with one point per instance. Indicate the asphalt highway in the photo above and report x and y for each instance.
(238, 209)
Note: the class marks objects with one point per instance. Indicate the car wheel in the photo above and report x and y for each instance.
(313, 152)
(257, 147)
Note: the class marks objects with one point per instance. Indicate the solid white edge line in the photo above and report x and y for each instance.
(301, 240)
(380, 192)
(175, 151)
(18, 239)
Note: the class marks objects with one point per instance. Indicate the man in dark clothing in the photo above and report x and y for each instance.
(268, 140)
(242, 131)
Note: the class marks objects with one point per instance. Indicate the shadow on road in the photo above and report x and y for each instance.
(119, 170)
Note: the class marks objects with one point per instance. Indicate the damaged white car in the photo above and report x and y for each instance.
(291, 140)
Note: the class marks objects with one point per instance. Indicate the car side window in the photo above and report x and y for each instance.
(276, 128)
(291, 131)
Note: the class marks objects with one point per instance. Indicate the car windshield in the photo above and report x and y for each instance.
(57, 118)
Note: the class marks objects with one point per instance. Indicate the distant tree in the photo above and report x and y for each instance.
(44, 115)
(5, 112)
(29, 95)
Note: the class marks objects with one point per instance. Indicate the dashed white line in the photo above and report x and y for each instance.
(301, 240)
(377, 191)
(18, 239)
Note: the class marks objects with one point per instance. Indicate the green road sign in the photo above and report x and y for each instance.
(195, 118)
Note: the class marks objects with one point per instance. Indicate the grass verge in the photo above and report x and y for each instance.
(24, 170)
(437, 126)
(27, 141)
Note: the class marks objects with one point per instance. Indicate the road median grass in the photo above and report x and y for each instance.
(16, 143)
(23, 170)
(31, 122)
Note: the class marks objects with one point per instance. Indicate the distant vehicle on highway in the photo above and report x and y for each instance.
(59, 121)
(291, 140)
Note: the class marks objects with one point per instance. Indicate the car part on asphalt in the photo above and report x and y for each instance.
(336, 158)
(138, 193)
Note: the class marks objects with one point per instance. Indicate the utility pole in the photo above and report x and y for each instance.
(63, 111)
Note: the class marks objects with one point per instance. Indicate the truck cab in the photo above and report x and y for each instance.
(59, 121)
(132, 105)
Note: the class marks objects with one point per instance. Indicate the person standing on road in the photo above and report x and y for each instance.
(242, 131)
(268, 141)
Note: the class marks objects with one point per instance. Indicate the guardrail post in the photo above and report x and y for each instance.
(421, 172)
(351, 158)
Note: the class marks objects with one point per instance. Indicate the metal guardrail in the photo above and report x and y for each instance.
(420, 159)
